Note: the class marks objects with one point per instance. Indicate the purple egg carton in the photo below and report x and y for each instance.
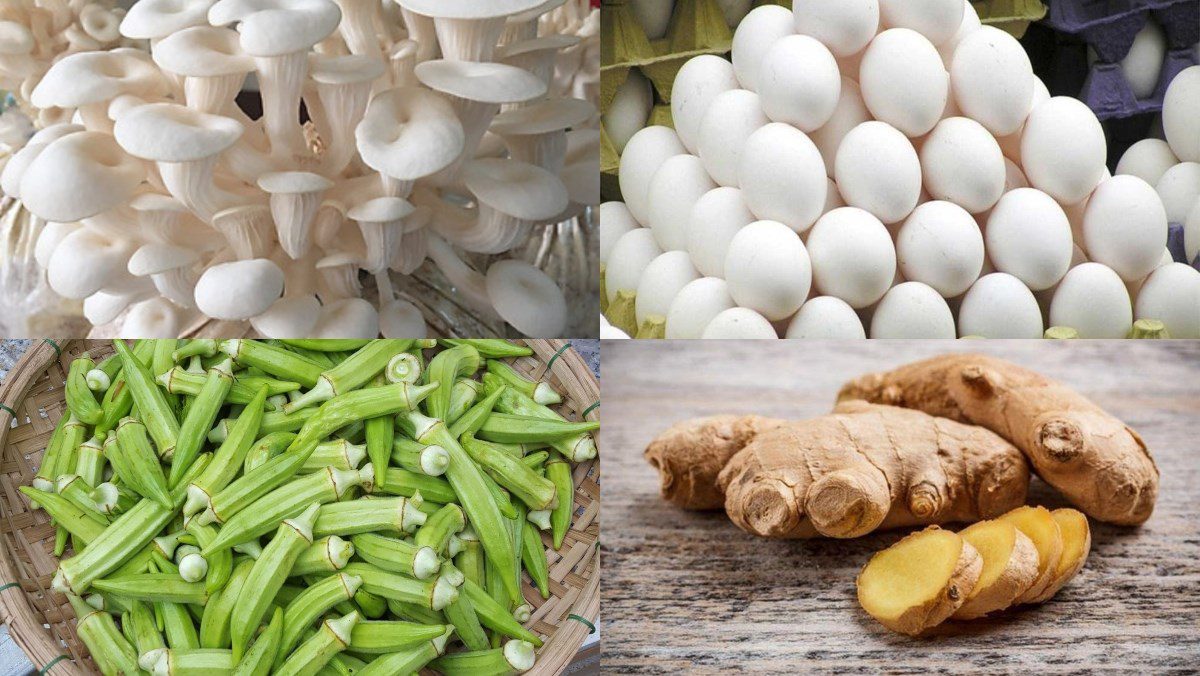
(1108, 94)
(1175, 246)
(1109, 26)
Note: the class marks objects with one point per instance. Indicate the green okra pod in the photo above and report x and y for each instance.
(228, 459)
(80, 400)
(338, 454)
(540, 391)
(491, 348)
(396, 556)
(179, 380)
(253, 485)
(444, 371)
(154, 587)
(77, 492)
(357, 370)
(56, 453)
(463, 396)
(377, 638)
(259, 659)
(136, 464)
(380, 431)
(143, 630)
(278, 421)
(333, 637)
(118, 400)
(409, 661)
(113, 500)
(415, 612)
(462, 615)
(533, 555)
(578, 448)
(358, 405)
(513, 658)
(431, 460)
(277, 361)
(121, 540)
(558, 471)
(196, 347)
(267, 576)
(495, 616)
(470, 561)
(369, 515)
(201, 414)
(326, 344)
(198, 662)
(113, 653)
(436, 531)
(313, 602)
(178, 628)
(214, 624)
(406, 483)
(473, 419)
(519, 429)
(432, 594)
(403, 368)
(220, 562)
(325, 555)
(369, 605)
(471, 487)
(266, 448)
(90, 461)
(153, 408)
(511, 473)
(76, 521)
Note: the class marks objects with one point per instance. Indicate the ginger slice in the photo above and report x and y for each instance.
(1010, 567)
(920, 581)
(1039, 525)
(1077, 542)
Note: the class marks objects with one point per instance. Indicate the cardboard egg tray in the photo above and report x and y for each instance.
(1012, 16)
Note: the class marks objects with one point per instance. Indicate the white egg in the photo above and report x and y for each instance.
(696, 85)
(845, 26)
(660, 283)
(1143, 64)
(852, 255)
(629, 109)
(782, 176)
(643, 155)
(826, 317)
(734, 10)
(615, 221)
(859, 171)
(801, 96)
(1191, 233)
(992, 80)
(1181, 114)
(999, 306)
(1147, 159)
(630, 256)
(1028, 236)
(731, 118)
(1171, 294)
(654, 15)
(937, 20)
(849, 113)
(940, 245)
(1179, 188)
(754, 36)
(912, 310)
(1010, 144)
(961, 163)
(610, 332)
(674, 189)
(739, 323)
(1093, 300)
(1125, 226)
(1063, 149)
(969, 24)
(768, 269)
(715, 219)
(696, 305)
(903, 81)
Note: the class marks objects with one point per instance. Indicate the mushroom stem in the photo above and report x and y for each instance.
(475, 117)
(213, 95)
(358, 27)
(176, 285)
(422, 30)
(468, 39)
(344, 105)
(394, 187)
(328, 223)
(281, 81)
(247, 229)
(468, 282)
(402, 61)
(409, 255)
(192, 184)
(548, 150)
(338, 282)
(381, 237)
(293, 214)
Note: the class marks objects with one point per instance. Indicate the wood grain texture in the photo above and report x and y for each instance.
(686, 591)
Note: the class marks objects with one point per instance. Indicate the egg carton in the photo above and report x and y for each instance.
(1011, 16)
(1109, 26)
(1108, 94)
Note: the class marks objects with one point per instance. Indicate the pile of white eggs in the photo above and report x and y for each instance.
(892, 169)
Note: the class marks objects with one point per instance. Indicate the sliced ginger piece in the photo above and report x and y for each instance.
(920, 581)
(1010, 567)
(1039, 526)
(1077, 542)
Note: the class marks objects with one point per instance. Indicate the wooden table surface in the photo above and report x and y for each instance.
(687, 591)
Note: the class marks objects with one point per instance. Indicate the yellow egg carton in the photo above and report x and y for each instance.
(1012, 16)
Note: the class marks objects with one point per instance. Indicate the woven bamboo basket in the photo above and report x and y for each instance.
(41, 621)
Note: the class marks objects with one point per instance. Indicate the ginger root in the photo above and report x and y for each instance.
(863, 468)
(1010, 567)
(1040, 527)
(1097, 461)
(920, 581)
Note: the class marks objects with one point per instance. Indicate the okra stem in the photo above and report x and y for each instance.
(514, 658)
(80, 400)
(179, 380)
(403, 368)
(433, 594)
(417, 457)
(539, 391)
(229, 456)
(396, 556)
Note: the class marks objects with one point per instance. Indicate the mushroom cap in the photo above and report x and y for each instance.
(154, 258)
(278, 27)
(551, 43)
(483, 82)
(535, 12)
(153, 318)
(54, 132)
(381, 210)
(344, 70)
(239, 289)
(293, 182)
(347, 318)
(78, 176)
(288, 317)
(169, 132)
(469, 9)
(527, 298)
(543, 117)
(153, 19)
(92, 77)
(401, 319)
(202, 51)
(408, 133)
(15, 39)
(516, 188)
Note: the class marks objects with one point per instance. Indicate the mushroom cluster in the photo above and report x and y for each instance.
(391, 132)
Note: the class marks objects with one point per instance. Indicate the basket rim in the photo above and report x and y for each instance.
(32, 633)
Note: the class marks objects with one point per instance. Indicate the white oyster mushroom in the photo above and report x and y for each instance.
(401, 319)
(155, 19)
(538, 55)
(338, 277)
(347, 318)
(211, 63)
(154, 318)
(527, 298)
(80, 176)
(537, 133)
(380, 220)
(468, 30)
(408, 133)
(295, 197)
(296, 316)
(239, 289)
(512, 197)
(86, 261)
(344, 86)
(90, 80)
(247, 228)
(170, 268)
